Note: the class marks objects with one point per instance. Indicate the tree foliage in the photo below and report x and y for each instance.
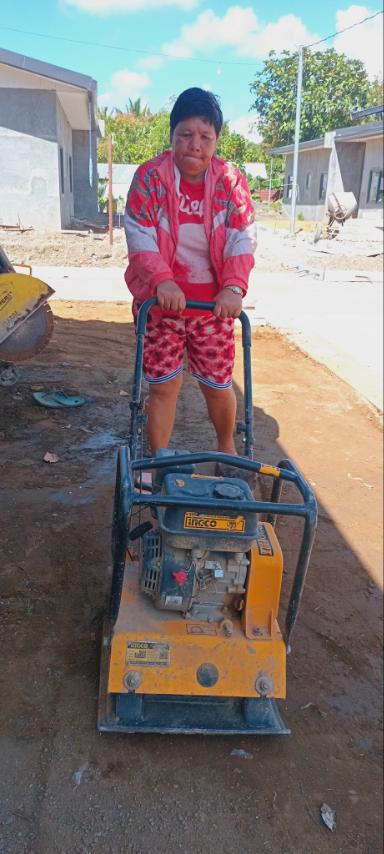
(332, 86)
(134, 108)
(375, 98)
(136, 138)
(238, 149)
(139, 136)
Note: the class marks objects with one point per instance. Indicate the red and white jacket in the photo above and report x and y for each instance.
(152, 222)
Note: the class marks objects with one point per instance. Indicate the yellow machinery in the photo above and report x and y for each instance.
(192, 642)
(26, 321)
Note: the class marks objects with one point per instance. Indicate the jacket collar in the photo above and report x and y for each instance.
(166, 169)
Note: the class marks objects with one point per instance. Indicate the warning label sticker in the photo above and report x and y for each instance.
(148, 653)
(214, 523)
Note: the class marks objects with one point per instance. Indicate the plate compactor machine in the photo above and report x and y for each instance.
(191, 643)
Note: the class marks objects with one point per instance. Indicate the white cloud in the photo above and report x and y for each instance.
(122, 86)
(240, 29)
(364, 42)
(151, 63)
(247, 127)
(100, 7)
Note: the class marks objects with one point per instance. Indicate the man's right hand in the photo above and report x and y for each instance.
(170, 297)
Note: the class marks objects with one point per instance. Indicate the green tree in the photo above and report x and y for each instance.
(136, 138)
(234, 147)
(133, 108)
(332, 85)
(375, 97)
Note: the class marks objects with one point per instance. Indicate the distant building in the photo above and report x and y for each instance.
(343, 160)
(122, 174)
(48, 134)
(257, 170)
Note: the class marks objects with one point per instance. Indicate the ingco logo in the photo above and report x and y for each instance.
(214, 523)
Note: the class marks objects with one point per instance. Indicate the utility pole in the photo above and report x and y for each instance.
(110, 194)
(297, 139)
(270, 183)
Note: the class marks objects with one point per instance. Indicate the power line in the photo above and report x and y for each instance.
(168, 55)
(129, 49)
(339, 32)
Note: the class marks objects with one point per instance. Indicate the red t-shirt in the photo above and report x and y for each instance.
(192, 269)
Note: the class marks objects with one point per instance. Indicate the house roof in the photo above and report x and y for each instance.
(76, 92)
(355, 133)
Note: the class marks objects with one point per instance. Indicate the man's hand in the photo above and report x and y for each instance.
(227, 304)
(170, 297)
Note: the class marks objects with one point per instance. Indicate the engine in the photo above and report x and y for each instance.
(195, 561)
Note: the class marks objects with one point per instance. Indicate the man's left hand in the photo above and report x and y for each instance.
(227, 304)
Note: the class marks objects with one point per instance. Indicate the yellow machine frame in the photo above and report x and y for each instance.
(167, 650)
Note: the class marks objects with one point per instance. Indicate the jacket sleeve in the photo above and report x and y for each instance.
(241, 238)
(145, 260)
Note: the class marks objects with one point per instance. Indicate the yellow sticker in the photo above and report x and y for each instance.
(148, 653)
(273, 470)
(214, 523)
(263, 543)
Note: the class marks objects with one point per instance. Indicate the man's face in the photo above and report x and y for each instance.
(193, 145)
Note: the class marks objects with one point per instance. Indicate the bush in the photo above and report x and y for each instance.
(300, 217)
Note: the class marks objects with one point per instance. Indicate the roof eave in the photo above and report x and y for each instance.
(45, 69)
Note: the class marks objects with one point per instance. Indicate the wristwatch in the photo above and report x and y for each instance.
(234, 288)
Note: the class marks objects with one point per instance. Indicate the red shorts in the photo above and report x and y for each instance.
(208, 340)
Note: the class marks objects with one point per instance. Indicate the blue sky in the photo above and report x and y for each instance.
(160, 47)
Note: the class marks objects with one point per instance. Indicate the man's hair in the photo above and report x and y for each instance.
(197, 103)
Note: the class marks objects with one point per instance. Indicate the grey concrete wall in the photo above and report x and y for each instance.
(315, 162)
(29, 111)
(85, 196)
(28, 159)
(64, 141)
(373, 160)
(347, 168)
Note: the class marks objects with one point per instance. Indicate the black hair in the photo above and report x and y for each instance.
(199, 103)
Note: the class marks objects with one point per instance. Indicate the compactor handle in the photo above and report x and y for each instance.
(138, 372)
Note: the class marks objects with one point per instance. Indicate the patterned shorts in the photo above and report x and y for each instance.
(208, 340)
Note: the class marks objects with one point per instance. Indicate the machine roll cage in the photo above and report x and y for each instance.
(128, 465)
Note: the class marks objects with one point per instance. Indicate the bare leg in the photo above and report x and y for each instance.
(161, 412)
(221, 403)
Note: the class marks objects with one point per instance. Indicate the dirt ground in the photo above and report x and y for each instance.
(65, 788)
(357, 246)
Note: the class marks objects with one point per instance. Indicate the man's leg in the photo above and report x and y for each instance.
(221, 403)
(161, 410)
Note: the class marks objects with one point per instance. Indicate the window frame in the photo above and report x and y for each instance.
(379, 189)
(61, 161)
(323, 186)
(70, 173)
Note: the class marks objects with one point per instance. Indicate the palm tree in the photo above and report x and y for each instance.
(102, 113)
(133, 108)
